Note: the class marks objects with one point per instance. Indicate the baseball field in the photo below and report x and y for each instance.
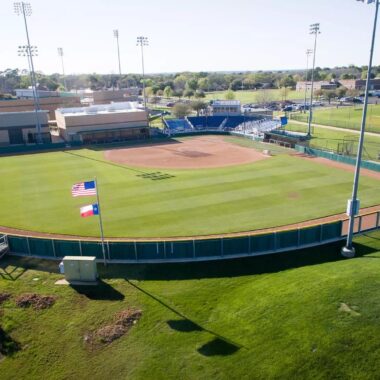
(184, 187)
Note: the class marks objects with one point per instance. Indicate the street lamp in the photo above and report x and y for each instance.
(314, 29)
(143, 41)
(25, 9)
(60, 53)
(308, 53)
(353, 204)
(116, 35)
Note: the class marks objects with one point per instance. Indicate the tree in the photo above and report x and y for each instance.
(329, 95)
(229, 95)
(192, 84)
(288, 81)
(263, 97)
(341, 91)
(198, 105)
(200, 94)
(148, 91)
(203, 84)
(284, 93)
(180, 82)
(364, 74)
(318, 92)
(188, 93)
(178, 93)
(168, 91)
(180, 110)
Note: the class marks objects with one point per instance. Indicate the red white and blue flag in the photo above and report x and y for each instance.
(89, 210)
(83, 188)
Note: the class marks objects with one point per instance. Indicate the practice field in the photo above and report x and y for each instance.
(344, 117)
(329, 139)
(254, 96)
(141, 202)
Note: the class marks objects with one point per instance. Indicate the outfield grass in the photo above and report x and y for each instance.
(306, 315)
(329, 139)
(35, 195)
(344, 117)
(253, 96)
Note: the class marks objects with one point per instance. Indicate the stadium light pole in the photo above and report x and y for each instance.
(353, 204)
(116, 35)
(143, 41)
(60, 53)
(25, 9)
(308, 53)
(314, 29)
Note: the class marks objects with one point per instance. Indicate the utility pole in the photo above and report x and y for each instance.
(308, 53)
(314, 29)
(143, 41)
(25, 9)
(60, 53)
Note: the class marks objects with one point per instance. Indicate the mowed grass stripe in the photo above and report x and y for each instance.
(279, 190)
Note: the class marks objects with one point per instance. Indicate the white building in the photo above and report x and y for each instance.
(226, 107)
(102, 123)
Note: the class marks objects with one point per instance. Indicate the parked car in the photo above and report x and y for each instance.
(346, 99)
(170, 104)
(357, 100)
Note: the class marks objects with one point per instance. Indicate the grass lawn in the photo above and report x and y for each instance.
(305, 315)
(329, 139)
(252, 96)
(276, 191)
(345, 117)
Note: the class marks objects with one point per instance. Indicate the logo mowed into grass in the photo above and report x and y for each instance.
(155, 176)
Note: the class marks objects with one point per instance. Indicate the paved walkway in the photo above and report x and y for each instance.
(336, 128)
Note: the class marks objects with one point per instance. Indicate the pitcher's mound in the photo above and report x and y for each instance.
(192, 153)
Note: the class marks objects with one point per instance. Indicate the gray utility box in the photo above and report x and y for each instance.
(80, 268)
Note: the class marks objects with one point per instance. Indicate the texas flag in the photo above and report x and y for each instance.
(89, 210)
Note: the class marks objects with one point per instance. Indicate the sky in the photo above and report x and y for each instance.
(196, 35)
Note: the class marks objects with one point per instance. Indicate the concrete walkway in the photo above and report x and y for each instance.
(335, 128)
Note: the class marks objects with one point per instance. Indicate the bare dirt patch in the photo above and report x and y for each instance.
(34, 300)
(4, 297)
(193, 153)
(122, 323)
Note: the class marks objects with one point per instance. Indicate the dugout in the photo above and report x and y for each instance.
(286, 138)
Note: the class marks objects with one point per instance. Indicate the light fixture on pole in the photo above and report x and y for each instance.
(353, 204)
(308, 53)
(116, 35)
(143, 41)
(25, 9)
(314, 29)
(60, 53)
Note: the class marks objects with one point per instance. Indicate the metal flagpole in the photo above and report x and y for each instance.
(100, 222)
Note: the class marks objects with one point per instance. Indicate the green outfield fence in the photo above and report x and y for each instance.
(371, 165)
(191, 249)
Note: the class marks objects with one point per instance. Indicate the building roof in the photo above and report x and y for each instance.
(121, 107)
(226, 103)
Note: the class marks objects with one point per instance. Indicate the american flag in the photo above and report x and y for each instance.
(83, 188)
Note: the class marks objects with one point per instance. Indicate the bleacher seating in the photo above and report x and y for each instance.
(206, 122)
(178, 125)
(246, 125)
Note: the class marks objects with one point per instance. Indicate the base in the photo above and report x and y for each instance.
(349, 253)
(76, 283)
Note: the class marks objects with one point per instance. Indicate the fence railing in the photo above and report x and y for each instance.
(370, 165)
(193, 249)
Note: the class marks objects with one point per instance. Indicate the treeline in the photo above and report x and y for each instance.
(186, 84)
